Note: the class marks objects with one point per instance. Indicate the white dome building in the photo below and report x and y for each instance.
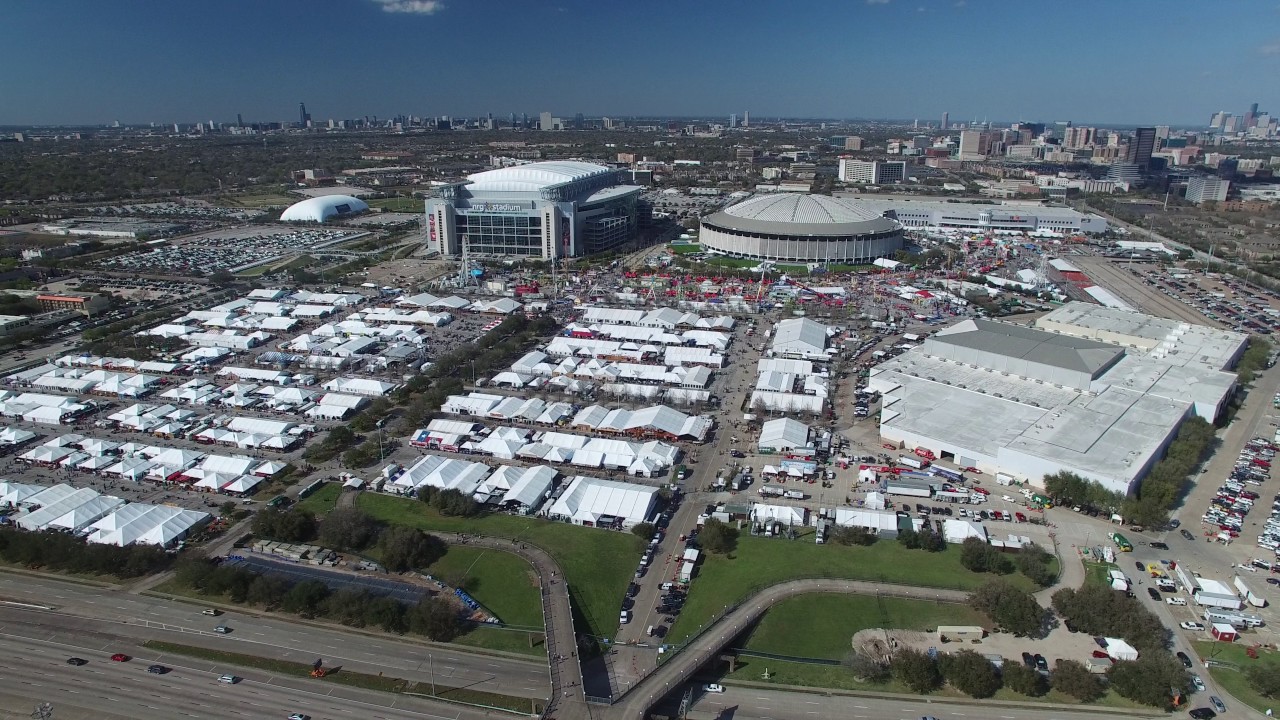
(793, 227)
(320, 209)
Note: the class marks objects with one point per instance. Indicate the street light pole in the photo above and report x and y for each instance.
(432, 671)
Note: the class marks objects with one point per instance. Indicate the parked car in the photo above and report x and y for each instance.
(713, 688)
(1217, 703)
(1203, 714)
(1154, 594)
(1186, 534)
(1182, 657)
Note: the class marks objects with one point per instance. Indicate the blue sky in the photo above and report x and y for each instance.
(1103, 61)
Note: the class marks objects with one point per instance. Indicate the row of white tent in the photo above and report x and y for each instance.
(103, 519)
(136, 461)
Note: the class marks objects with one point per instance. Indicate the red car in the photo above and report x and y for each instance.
(1021, 517)
(120, 657)
(973, 470)
(1099, 654)
(889, 446)
(980, 491)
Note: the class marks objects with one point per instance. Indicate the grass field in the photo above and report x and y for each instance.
(344, 677)
(323, 500)
(597, 564)
(264, 198)
(502, 582)
(758, 562)
(821, 625)
(513, 641)
(684, 248)
(1233, 680)
(398, 204)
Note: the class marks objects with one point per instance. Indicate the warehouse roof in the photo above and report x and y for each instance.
(1175, 342)
(784, 434)
(1024, 343)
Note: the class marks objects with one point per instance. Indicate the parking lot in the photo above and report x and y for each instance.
(207, 252)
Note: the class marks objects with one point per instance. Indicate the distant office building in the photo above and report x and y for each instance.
(746, 118)
(733, 121)
(1205, 188)
(541, 210)
(746, 155)
(546, 122)
(84, 303)
(1079, 137)
(974, 144)
(1218, 119)
(1141, 145)
(1125, 173)
(853, 143)
(873, 173)
(946, 120)
(304, 117)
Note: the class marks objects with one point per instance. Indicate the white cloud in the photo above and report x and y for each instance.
(416, 7)
(961, 3)
(920, 9)
(1271, 48)
(877, 2)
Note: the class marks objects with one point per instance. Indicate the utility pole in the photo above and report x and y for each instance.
(432, 671)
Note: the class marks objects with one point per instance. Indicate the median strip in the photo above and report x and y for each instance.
(365, 681)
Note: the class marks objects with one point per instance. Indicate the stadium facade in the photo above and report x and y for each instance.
(793, 227)
(541, 210)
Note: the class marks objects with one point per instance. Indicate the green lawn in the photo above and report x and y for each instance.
(323, 500)
(821, 625)
(398, 204)
(502, 582)
(838, 678)
(759, 562)
(1232, 679)
(684, 248)
(1096, 573)
(515, 641)
(598, 564)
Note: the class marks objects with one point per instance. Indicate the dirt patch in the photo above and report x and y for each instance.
(1060, 644)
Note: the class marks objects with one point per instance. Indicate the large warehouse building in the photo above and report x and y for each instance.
(540, 210)
(791, 227)
(985, 217)
(1030, 402)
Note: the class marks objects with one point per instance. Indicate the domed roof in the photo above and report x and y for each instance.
(534, 176)
(800, 208)
(801, 214)
(319, 209)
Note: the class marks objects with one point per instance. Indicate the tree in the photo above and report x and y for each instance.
(865, 668)
(1148, 679)
(1013, 609)
(349, 529)
(717, 537)
(978, 556)
(1033, 561)
(453, 503)
(305, 598)
(1074, 679)
(909, 539)
(854, 536)
(932, 542)
(266, 591)
(435, 618)
(1264, 678)
(1023, 680)
(386, 613)
(915, 670)
(405, 548)
(292, 525)
(642, 530)
(971, 673)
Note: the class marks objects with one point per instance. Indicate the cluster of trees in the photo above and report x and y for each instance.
(1253, 360)
(339, 439)
(352, 530)
(59, 551)
(1264, 678)
(1032, 561)
(1096, 609)
(1012, 609)
(1164, 485)
(450, 503)
(928, 541)
(853, 536)
(1068, 488)
(435, 618)
(976, 676)
(718, 537)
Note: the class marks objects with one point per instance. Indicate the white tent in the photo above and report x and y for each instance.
(592, 501)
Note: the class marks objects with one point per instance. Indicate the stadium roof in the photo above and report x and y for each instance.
(800, 214)
(534, 176)
(320, 209)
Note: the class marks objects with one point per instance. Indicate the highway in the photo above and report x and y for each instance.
(83, 608)
(36, 671)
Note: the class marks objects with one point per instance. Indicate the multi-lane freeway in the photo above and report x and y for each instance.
(51, 608)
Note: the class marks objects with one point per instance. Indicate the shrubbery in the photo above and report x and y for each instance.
(62, 552)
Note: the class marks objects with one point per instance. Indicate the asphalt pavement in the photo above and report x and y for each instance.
(75, 608)
(36, 671)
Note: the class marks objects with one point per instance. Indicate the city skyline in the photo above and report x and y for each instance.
(350, 58)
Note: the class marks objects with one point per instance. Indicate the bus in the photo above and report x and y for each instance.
(1121, 542)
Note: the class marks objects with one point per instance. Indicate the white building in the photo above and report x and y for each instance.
(604, 503)
(977, 217)
(872, 173)
(1206, 188)
(1049, 402)
(800, 338)
(783, 434)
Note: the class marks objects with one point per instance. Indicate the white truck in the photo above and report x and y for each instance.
(911, 462)
(1253, 598)
(793, 494)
